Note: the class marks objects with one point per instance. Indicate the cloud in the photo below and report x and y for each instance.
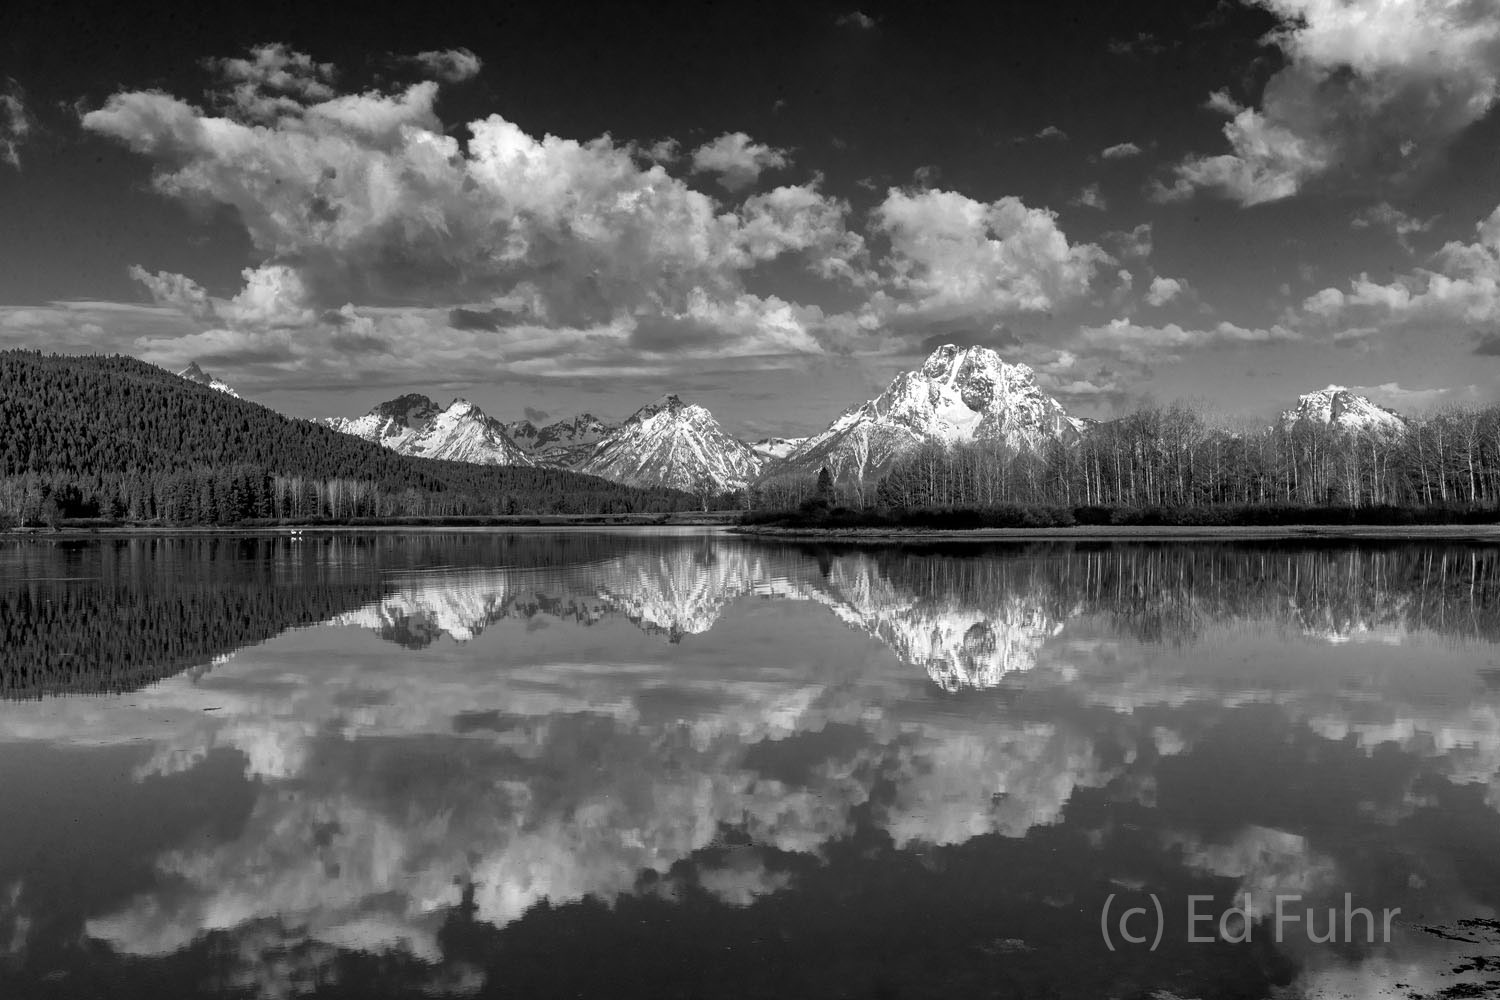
(273, 80)
(1461, 288)
(90, 327)
(176, 291)
(663, 151)
(1150, 344)
(536, 416)
(448, 65)
(1050, 133)
(1164, 290)
(1134, 242)
(1120, 151)
(1388, 217)
(1143, 44)
(1090, 197)
(952, 256)
(16, 123)
(1406, 400)
(1372, 91)
(856, 19)
(1487, 343)
(737, 160)
(363, 201)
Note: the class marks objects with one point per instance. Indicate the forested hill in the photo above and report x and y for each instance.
(115, 436)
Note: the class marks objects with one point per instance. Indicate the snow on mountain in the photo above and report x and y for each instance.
(195, 374)
(1344, 410)
(685, 591)
(392, 423)
(773, 448)
(415, 425)
(563, 443)
(958, 395)
(674, 444)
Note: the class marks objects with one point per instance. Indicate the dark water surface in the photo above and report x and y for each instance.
(580, 764)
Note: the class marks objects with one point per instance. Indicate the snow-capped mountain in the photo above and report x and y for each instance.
(958, 395)
(684, 590)
(415, 425)
(773, 448)
(195, 374)
(1344, 410)
(563, 443)
(675, 444)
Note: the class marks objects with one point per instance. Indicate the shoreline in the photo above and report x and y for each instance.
(519, 523)
(1103, 533)
(1127, 533)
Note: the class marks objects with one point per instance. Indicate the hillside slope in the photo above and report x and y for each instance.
(95, 418)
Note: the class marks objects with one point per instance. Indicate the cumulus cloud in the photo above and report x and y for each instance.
(1090, 197)
(1120, 151)
(177, 291)
(737, 160)
(361, 204)
(388, 249)
(662, 151)
(449, 65)
(952, 256)
(272, 80)
(1386, 216)
(16, 124)
(856, 19)
(1164, 290)
(1461, 287)
(1134, 242)
(1372, 90)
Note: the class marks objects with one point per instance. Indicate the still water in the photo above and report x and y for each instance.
(622, 764)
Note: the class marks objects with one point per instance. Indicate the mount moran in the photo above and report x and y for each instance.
(958, 395)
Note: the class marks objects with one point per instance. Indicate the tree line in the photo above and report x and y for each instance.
(1175, 457)
(114, 437)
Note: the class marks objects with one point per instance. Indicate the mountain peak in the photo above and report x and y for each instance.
(670, 402)
(672, 443)
(959, 394)
(405, 408)
(1343, 409)
(415, 425)
(194, 373)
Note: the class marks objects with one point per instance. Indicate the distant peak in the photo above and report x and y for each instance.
(951, 357)
(191, 371)
(670, 402)
(402, 405)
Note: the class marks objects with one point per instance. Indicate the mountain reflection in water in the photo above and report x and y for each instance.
(617, 764)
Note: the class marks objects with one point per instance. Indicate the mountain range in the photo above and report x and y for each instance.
(957, 395)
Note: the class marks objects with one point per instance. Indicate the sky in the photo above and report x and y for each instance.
(768, 209)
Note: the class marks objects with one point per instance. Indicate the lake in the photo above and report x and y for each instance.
(690, 764)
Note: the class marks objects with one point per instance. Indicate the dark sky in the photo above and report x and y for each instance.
(1294, 194)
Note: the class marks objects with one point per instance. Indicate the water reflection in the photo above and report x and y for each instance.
(717, 767)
